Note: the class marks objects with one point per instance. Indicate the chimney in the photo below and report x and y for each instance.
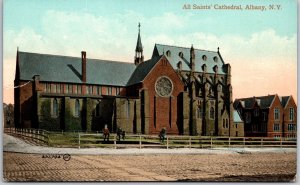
(83, 68)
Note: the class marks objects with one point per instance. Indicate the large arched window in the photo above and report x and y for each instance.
(212, 113)
(77, 108)
(55, 108)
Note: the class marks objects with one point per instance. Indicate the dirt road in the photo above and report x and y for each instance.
(151, 167)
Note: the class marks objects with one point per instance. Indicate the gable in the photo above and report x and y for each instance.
(162, 67)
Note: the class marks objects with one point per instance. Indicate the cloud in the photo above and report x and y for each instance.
(261, 63)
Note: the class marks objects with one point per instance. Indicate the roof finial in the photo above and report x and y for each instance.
(139, 26)
(218, 49)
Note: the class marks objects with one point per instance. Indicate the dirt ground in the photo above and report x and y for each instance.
(243, 167)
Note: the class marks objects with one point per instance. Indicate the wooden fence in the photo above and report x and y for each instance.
(38, 136)
(95, 139)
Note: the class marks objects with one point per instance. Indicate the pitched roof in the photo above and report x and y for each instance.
(175, 57)
(236, 117)
(284, 100)
(68, 69)
(142, 70)
(263, 101)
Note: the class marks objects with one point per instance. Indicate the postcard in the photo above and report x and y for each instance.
(140, 91)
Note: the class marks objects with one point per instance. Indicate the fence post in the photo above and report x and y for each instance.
(78, 140)
(190, 142)
(167, 142)
(38, 135)
(229, 142)
(140, 141)
(210, 142)
(244, 141)
(261, 142)
(280, 142)
(115, 142)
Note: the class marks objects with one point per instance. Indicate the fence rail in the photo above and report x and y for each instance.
(96, 139)
(37, 136)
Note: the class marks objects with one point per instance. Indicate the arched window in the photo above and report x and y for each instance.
(179, 65)
(180, 54)
(77, 108)
(226, 123)
(223, 123)
(204, 57)
(215, 59)
(168, 53)
(212, 113)
(55, 108)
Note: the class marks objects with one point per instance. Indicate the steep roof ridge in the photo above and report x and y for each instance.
(276, 95)
(185, 47)
(65, 56)
(286, 102)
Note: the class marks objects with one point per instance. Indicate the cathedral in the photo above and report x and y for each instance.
(187, 91)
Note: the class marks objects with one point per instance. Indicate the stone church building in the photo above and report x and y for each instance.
(187, 91)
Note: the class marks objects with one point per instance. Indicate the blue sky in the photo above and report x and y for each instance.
(19, 14)
(255, 43)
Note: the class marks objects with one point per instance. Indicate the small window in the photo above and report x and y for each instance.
(109, 90)
(180, 54)
(276, 127)
(54, 88)
(91, 89)
(67, 88)
(215, 59)
(79, 91)
(76, 89)
(168, 53)
(291, 114)
(77, 108)
(248, 117)
(96, 89)
(179, 65)
(58, 88)
(264, 114)
(118, 91)
(100, 90)
(204, 68)
(276, 113)
(204, 57)
(48, 87)
(70, 89)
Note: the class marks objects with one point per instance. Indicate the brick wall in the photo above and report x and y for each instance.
(163, 110)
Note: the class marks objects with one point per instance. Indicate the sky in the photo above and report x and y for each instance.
(260, 46)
